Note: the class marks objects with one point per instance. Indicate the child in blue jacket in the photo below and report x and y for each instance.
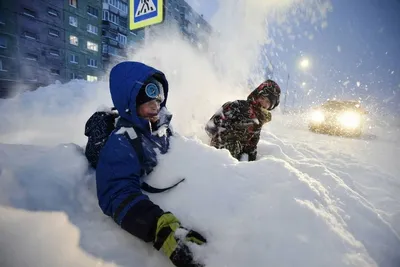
(139, 93)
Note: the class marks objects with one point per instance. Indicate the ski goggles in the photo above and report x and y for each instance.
(154, 90)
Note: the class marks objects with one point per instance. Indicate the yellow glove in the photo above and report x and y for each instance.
(171, 245)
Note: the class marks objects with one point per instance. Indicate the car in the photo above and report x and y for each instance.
(338, 117)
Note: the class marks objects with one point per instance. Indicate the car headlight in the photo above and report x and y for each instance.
(349, 119)
(317, 116)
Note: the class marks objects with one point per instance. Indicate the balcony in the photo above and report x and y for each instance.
(109, 26)
(115, 10)
(111, 41)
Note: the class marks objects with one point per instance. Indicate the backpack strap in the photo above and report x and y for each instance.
(138, 147)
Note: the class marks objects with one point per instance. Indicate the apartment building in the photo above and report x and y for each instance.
(82, 20)
(114, 31)
(42, 41)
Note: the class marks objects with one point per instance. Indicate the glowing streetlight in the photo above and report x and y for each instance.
(304, 63)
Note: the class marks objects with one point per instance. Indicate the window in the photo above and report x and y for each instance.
(54, 52)
(122, 38)
(92, 46)
(92, 29)
(52, 12)
(92, 11)
(55, 71)
(54, 33)
(32, 57)
(73, 58)
(2, 66)
(3, 42)
(124, 7)
(114, 18)
(110, 17)
(73, 21)
(73, 3)
(92, 62)
(73, 40)
(29, 13)
(113, 2)
(72, 76)
(91, 78)
(118, 4)
(105, 15)
(123, 22)
(30, 35)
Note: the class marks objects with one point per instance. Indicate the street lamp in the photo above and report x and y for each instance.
(303, 65)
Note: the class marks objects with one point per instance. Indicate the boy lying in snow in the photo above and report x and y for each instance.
(236, 126)
(139, 93)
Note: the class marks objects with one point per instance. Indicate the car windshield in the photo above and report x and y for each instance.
(339, 105)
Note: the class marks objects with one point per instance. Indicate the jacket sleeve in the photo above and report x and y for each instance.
(229, 116)
(118, 174)
(251, 147)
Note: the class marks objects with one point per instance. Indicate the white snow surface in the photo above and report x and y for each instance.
(309, 200)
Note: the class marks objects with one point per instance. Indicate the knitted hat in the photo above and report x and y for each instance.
(151, 89)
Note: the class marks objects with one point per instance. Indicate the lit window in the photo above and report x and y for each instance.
(73, 21)
(91, 78)
(92, 46)
(73, 3)
(73, 40)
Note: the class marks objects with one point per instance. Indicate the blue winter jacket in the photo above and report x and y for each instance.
(119, 170)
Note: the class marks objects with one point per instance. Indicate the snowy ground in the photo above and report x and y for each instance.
(310, 200)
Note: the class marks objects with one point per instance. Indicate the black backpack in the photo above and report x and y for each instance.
(98, 128)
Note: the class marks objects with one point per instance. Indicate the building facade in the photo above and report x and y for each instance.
(42, 41)
(82, 22)
(192, 25)
(118, 41)
(114, 31)
(32, 49)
